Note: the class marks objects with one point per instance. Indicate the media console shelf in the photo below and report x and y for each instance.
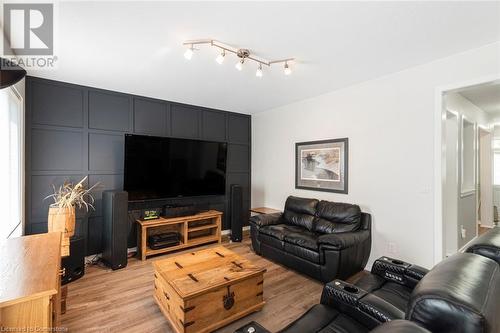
(194, 230)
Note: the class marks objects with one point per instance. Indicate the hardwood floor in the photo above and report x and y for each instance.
(481, 230)
(122, 301)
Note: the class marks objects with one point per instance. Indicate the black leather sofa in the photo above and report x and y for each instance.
(460, 294)
(322, 239)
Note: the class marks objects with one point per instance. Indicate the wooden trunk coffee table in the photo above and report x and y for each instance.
(203, 290)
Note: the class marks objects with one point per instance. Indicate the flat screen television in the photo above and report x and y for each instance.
(158, 167)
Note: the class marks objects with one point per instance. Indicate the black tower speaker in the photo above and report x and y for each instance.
(74, 265)
(115, 228)
(236, 213)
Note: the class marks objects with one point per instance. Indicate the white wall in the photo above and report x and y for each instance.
(390, 125)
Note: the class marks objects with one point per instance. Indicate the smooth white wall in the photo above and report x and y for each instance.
(390, 125)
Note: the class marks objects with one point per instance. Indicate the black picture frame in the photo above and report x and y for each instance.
(340, 186)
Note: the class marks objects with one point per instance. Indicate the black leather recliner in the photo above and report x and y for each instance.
(322, 239)
(460, 294)
(393, 281)
(487, 245)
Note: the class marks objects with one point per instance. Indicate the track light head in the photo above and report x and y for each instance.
(220, 57)
(258, 73)
(189, 52)
(287, 70)
(239, 64)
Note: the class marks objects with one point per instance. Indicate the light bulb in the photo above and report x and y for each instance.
(287, 69)
(220, 57)
(189, 53)
(258, 73)
(239, 65)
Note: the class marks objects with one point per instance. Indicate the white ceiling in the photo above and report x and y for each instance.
(136, 47)
(486, 97)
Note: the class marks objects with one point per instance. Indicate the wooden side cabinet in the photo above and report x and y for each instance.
(30, 283)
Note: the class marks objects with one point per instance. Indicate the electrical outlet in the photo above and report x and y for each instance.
(463, 232)
(392, 248)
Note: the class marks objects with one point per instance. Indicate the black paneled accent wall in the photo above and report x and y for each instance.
(74, 131)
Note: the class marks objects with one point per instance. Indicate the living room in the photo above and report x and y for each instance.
(250, 166)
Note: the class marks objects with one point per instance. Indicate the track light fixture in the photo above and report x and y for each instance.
(287, 70)
(242, 54)
(220, 57)
(258, 73)
(189, 52)
(239, 65)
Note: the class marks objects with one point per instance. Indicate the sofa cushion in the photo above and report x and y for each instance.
(343, 324)
(280, 230)
(300, 212)
(305, 238)
(272, 241)
(315, 319)
(334, 217)
(395, 294)
(302, 252)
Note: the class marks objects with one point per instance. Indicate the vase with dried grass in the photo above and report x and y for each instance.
(62, 213)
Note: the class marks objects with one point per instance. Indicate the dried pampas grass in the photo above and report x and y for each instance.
(69, 195)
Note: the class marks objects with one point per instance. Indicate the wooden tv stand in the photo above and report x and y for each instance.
(195, 230)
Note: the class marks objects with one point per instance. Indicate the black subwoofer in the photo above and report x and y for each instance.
(74, 264)
(236, 212)
(115, 228)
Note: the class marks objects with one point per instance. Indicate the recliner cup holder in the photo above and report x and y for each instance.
(351, 289)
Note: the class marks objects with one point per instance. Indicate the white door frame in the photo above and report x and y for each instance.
(440, 155)
(480, 170)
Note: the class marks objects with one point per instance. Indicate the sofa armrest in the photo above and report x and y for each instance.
(365, 307)
(265, 219)
(338, 293)
(344, 240)
(398, 271)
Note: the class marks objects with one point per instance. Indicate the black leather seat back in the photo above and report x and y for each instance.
(334, 217)
(487, 245)
(460, 294)
(300, 212)
(366, 221)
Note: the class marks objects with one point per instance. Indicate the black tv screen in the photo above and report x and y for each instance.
(157, 167)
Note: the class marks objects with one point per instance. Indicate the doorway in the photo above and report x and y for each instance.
(470, 131)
